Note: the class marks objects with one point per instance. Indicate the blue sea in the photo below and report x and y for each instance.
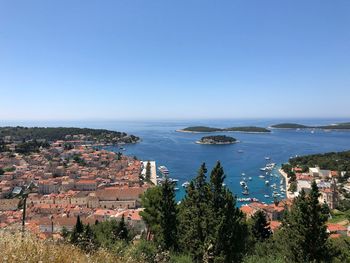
(178, 151)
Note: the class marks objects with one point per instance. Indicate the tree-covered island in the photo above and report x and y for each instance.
(217, 139)
(205, 129)
(30, 139)
(337, 126)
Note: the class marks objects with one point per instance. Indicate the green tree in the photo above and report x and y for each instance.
(231, 235)
(260, 227)
(151, 214)
(148, 172)
(303, 235)
(217, 178)
(196, 216)
(77, 231)
(168, 216)
(123, 232)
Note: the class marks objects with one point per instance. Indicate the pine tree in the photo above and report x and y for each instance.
(303, 236)
(217, 178)
(230, 238)
(150, 201)
(260, 228)
(168, 216)
(196, 216)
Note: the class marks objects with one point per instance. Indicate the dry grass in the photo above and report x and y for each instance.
(29, 249)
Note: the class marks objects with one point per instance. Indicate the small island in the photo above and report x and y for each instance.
(337, 126)
(217, 139)
(289, 126)
(205, 129)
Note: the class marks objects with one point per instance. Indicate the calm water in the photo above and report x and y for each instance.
(183, 157)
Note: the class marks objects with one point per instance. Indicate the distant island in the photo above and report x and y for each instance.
(205, 129)
(39, 135)
(217, 139)
(337, 126)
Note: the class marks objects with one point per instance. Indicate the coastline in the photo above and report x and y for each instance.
(289, 195)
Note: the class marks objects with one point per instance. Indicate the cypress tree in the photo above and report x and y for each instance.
(148, 171)
(168, 216)
(77, 231)
(317, 247)
(123, 232)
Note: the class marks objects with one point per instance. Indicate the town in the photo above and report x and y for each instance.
(70, 178)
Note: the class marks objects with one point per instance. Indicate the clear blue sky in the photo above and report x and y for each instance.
(179, 59)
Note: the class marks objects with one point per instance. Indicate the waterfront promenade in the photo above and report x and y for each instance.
(289, 195)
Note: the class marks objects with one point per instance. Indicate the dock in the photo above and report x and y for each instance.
(153, 171)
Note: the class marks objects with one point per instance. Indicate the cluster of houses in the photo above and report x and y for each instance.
(327, 182)
(94, 184)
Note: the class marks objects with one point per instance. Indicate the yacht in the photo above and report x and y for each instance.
(185, 184)
(163, 170)
(262, 176)
(243, 183)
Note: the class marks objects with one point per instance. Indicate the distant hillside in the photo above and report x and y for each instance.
(13, 134)
(198, 129)
(338, 126)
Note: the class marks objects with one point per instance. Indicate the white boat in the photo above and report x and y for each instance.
(240, 151)
(262, 176)
(242, 183)
(176, 189)
(243, 174)
(267, 158)
(174, 180)
(163, 170)
(185, 184)
(249, 178)
(266, 196)
(267, 182)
